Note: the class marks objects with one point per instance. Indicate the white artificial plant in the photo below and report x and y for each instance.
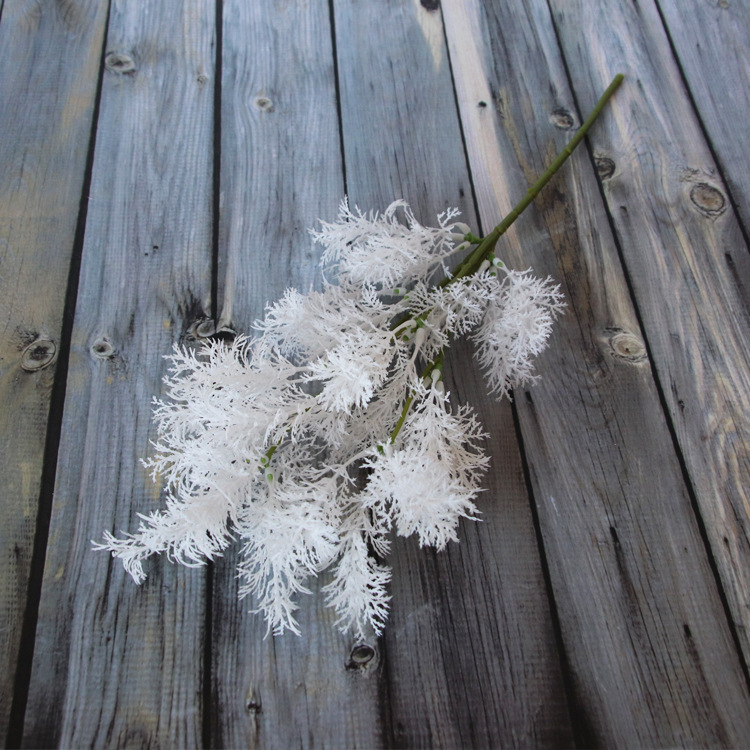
(330, 428)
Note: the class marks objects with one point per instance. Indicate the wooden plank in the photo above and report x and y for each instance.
(470, 653)
(281, 170)
(650, 655)
(687, 262)
(711, 43)
(49, 65)
(117, 665)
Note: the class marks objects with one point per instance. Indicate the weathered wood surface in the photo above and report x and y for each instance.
(603, 599)
(710, 40)
(49, 69)
(115, 665)
(281, 169)
(456, 675)
(688, 267)
(634, 547)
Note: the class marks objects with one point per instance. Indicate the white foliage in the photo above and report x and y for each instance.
(380, 249)
(264, 439)
(430, 478)
(358, 592)
(516, 325)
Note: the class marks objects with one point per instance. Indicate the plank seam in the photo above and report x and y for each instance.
(216, 198)
(207, 723)
(337, 85)
(52, 442)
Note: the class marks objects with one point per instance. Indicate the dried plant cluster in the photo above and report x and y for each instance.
(311, 441)
(330, 429)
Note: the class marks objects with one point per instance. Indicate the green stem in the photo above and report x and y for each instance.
(426, 373)
(472, 262)
(486, 245)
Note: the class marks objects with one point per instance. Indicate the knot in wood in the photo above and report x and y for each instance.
(708, 199)
(628, 347)
(38, 354)
(361, 655)
(605, 167)
(103, 349)
(253, 703)
(562, 119)
(264, 104)
(203, 328)
(119, 62)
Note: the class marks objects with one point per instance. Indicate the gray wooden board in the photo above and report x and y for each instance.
(281, 170)
(49, 63)
(712, 47)
(469, 649)
(651, 657)
(116, 665)
(687, 262)
(469, 657)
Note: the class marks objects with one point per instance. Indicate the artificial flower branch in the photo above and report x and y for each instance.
(487, 244)
(264, 438)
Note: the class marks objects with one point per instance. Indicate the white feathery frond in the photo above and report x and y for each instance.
(263, 440)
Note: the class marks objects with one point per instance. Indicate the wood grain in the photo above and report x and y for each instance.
(687, 262)
(470, 652)
(651, 657)
(604, 598)
(710, 41)
(117, 665)
(281, 170)
(49, 66)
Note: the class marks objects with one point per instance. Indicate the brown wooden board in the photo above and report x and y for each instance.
(650, 654)
(686, 260)
(469, 649)
(49, 68)
(711, 44)
(281, 170)
(117, 665)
